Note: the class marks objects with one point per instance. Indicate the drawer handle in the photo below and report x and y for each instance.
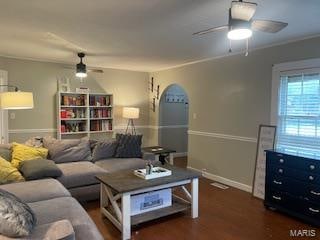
(281, 160)
(280, 170)
(312, 167)
(276, 198)
(277, 182)
(315, 193)
(314, 210)
(311, 178)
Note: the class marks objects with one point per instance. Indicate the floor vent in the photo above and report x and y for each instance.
(219, 185)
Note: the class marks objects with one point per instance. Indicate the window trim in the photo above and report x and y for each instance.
(290, 68)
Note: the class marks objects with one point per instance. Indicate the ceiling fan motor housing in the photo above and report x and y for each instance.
(239, 24)
(81, 68)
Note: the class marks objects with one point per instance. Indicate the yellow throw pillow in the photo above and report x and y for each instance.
(8, 173)
(21, 152)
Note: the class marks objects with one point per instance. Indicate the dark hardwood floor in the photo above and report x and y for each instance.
(228, 214)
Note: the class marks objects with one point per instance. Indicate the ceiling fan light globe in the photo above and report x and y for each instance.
(239, 34)
(81, 74)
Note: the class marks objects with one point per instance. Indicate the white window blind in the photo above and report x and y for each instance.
(299, 113)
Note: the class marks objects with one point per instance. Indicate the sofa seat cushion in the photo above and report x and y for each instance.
(66, 208)
(77, 174)
(61, 230)
(37, 190)
(116, 164)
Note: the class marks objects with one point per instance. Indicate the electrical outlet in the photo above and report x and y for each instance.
(203, 171)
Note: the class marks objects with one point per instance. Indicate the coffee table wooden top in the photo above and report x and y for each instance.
(126, 181)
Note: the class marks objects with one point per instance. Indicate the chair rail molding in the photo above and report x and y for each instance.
(223, 136)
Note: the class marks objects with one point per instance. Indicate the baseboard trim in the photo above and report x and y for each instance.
(180, 154)
(223, 180)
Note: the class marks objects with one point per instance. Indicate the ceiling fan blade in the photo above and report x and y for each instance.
(243, 10)
(62, 43)
(211, 30)
(268, 26)
(95, 70)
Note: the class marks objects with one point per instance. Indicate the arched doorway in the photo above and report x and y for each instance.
(173, 121)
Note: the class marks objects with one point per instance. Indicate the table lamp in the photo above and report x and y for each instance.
(130, 113)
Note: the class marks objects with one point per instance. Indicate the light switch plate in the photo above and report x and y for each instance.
(12, 115)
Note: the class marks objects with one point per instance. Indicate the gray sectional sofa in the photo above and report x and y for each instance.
(55, 201)
(59, 215)
(79, 177)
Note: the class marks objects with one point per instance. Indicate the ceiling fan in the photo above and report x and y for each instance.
(241, 24)
(61, 44)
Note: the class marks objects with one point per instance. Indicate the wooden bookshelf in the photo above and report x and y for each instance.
(84, 114)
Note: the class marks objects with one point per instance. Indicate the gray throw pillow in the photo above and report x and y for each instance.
(16, 218)
(129, 146)
(104, 150)
(6, 152)
(39, 168)
(73, 150)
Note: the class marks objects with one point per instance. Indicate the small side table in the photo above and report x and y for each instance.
(160, 152)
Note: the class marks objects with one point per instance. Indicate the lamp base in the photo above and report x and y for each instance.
(131, 129)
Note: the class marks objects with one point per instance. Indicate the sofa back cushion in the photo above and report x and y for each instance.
(16, 218)
(21, 152)
(129, 146)
(39, 168)
(8, 173)
(69, 150)
(104, 149)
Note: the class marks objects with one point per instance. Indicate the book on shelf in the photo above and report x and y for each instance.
(100, 113)
(100, 125)
(73, 127)
(72, 113)
(100, 100)
(67, 100)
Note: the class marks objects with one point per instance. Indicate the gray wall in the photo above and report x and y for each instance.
(230, 96)
(129, 89)
(173, 121)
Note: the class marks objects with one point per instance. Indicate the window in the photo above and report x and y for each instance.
(299, 113)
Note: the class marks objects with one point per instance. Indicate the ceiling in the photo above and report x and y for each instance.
(142, 35)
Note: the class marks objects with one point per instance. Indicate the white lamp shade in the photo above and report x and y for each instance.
(16, 100)
(130, 112)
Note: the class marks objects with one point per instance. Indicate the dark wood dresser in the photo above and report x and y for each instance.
(293, 185)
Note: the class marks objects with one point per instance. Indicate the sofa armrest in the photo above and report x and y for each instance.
(59, 230)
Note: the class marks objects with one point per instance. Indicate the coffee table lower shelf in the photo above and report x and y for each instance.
(178, 205)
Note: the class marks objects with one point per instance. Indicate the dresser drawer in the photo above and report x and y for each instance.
(311, 177)
(311, 209)
(284, 160)
(278, 198)
(312, 192)
(295, 187)
(285, 184)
